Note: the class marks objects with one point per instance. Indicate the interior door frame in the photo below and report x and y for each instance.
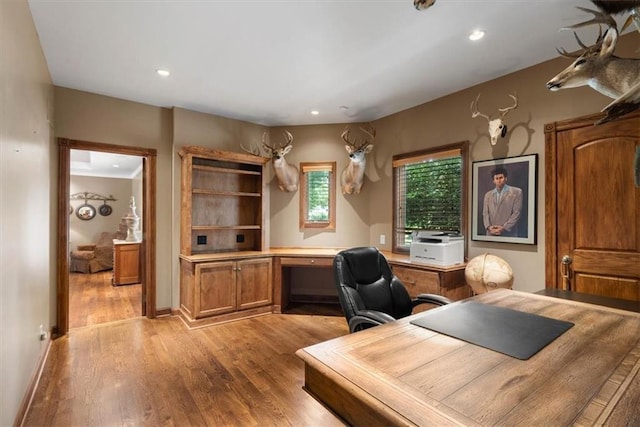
(148, 244)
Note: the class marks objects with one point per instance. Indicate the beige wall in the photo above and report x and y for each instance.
(89, 117)
(361, 219)
(27, 204)
(81, 231)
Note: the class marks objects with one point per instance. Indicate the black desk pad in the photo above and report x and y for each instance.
(514, 333)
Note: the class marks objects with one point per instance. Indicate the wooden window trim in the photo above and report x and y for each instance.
(306, 167)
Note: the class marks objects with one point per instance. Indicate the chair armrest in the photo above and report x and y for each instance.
(370, 318)
(431, 299)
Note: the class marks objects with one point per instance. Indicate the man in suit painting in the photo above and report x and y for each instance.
(502, 206)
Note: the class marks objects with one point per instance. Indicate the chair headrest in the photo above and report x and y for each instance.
(364, 263)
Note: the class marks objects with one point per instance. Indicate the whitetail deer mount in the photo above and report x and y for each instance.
(497, 127)
(353, 175)
(288, 175)
(423, 4)
(597, 67)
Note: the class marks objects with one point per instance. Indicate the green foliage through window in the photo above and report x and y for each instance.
(428, 193)
(318, 196)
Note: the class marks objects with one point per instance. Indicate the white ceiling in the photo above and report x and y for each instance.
(271, 62)
(106, 165)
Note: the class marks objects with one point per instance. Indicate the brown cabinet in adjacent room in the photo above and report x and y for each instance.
(126, 263)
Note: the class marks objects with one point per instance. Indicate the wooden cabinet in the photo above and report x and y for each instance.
(422, 280)
(225, 287)
(126, 263)
(222, 218)
(222, 204)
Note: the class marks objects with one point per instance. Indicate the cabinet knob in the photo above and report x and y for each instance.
(313, 261)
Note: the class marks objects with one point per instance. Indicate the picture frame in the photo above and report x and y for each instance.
(493, 217)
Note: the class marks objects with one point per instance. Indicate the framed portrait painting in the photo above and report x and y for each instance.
(504, 200)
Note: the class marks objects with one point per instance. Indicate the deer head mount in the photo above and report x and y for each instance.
(423, 4)
(287, 175)
(497, 127)
(353, 175)
(596, 66)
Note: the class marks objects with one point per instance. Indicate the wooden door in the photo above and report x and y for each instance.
(215, 288)
(255, 287)
(593, 207)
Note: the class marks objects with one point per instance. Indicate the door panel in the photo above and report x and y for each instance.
(593, 206)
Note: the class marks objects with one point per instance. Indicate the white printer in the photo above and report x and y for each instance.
(437, 248)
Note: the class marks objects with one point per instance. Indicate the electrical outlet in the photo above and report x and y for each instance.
(43, 333)
(239, 238)
(383, 239)
(202, 240)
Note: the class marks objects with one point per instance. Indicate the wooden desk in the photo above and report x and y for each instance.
(402, 374)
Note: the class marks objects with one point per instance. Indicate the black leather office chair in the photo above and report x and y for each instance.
(370, 294)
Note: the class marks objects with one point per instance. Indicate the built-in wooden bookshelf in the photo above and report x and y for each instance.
(222, 201)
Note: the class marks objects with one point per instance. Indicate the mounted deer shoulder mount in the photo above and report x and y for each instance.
(497, 128)
(596, 66)
(353, 175)
(288, 175)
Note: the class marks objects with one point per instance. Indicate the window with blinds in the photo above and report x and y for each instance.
(429, 192)
(317, 195)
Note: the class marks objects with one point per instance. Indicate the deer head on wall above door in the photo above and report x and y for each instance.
(596, 66)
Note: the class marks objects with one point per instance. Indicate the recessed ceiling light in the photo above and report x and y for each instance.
(476, 35)
(315, 112)
(163, 73)
(116, 166)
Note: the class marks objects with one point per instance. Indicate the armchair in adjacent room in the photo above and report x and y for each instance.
(370, 294)
(95, 257)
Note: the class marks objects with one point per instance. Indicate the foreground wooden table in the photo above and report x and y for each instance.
(402, 374)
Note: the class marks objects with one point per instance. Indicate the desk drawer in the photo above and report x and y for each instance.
(418, 281)
(307, 262)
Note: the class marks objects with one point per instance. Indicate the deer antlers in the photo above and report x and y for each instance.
(496, 126)
(288, 138)
(503, 111)
(356, 145)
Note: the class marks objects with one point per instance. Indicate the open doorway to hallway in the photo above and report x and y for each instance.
(105, 233)
(144, 244)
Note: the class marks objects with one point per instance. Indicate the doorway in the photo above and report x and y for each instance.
(593, 207)
(148, 232)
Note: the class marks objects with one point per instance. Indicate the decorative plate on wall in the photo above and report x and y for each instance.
(86, 212)
(105, 210)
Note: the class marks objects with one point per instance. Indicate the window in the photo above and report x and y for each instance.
(429, 192)
(318, 195)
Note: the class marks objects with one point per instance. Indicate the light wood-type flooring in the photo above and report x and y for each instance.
(142, 372)
(93, 300)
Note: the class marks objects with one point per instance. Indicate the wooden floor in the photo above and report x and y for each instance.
(156, 372)
(93, 300)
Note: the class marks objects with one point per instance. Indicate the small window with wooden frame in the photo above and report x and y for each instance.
(318, 195)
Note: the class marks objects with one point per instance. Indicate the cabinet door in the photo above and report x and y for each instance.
(254, 281)
(126, 264)
(216, 288)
